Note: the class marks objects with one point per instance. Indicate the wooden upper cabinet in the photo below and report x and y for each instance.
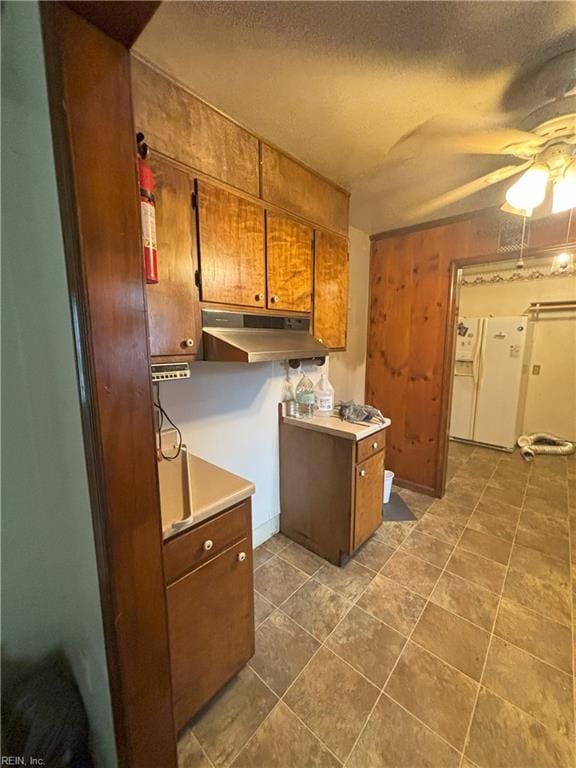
(231, 247)
(330, 289)
(173, 302)
(181, 126)
(290, 185)
(289, 247)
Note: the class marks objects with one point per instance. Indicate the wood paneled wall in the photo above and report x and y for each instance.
(410, 331)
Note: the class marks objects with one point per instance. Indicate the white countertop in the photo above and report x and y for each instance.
(334, 425)
(210, 490)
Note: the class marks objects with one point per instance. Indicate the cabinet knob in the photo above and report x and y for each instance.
(207, 546)
(363, 473)
(188, 343)
(242, 556)
(275, 299)
(259, 297)
(374, 445)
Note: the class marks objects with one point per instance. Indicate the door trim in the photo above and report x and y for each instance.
(97, 185)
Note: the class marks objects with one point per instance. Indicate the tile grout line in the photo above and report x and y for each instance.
(480, 686)
(403, 649)
(573, 607)
(394, 629)
(428, 599)
(354, 603)
(323, 645)
(280, 700)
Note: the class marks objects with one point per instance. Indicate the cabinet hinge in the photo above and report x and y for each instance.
(198, 278)
(193, 200)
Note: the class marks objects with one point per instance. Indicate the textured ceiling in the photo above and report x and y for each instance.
(338, 83)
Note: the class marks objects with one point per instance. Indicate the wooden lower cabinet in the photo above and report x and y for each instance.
(211, 627)
(330, 501)
(368, 494)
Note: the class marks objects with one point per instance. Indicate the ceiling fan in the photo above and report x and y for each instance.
(546, 146)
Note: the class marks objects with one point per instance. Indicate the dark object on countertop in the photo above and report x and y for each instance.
(396, 510)
(47, 720)
(359, 414)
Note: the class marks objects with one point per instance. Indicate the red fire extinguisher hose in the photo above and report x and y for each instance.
(147, 213)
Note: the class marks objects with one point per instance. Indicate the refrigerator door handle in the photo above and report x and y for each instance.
(478, 366)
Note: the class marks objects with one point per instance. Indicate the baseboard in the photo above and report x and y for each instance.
(266, 530)
(425, 489)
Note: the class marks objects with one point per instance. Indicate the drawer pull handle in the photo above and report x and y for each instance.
(207, 546)
(259, 296)
(242, 556)
(374, 445)
(275, 299)
(363, 473)
(188, 343)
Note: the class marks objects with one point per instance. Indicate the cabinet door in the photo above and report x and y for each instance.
(368, 497)
(231, 247)
(173, 302)
(211, 627)
(330, 289)
(289, 263)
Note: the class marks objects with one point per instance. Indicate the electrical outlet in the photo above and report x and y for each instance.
(535, 370)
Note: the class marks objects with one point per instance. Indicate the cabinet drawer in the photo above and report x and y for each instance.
(370, 445)
(192, 548)
(211, 627)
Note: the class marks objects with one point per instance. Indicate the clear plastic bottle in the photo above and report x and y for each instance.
(305, 397)
(324, 396)
(288, 396)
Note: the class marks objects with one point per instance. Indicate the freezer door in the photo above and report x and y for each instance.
(499, 380)
(466, 365)
(468, 338)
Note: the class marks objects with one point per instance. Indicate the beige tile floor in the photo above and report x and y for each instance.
(448, 642)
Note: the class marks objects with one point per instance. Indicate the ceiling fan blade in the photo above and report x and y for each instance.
(507, 208)
(439, 136)
(455, 195)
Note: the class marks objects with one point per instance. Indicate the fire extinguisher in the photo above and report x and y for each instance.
(147, 212)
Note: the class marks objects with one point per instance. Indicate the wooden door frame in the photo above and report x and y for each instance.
(86, 48)
(450, 335)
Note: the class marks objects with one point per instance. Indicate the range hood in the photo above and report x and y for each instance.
(245, 338)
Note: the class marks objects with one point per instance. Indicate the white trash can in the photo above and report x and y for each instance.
(388, 479)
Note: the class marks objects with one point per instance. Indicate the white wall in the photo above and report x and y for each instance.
(228, 412)
(348, 369)
(50, 594)
(551, 395)
(228, 415)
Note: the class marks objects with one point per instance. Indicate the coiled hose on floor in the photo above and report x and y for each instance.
(543, 443)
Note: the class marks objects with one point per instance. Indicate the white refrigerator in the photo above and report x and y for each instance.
(490, 373)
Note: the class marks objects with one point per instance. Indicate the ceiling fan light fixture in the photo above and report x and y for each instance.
(564, 191)
(563, 260)
(530, 189)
